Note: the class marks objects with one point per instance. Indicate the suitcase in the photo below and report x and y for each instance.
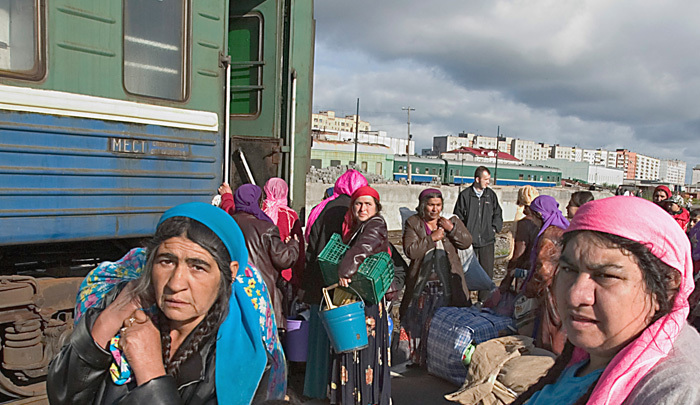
(452, 330)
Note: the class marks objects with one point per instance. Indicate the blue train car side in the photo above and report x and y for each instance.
(69, 179)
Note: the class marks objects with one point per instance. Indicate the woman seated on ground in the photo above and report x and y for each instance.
(363, 377)
(577, 200)
(622, 292)
(185, 320)
(435, 276)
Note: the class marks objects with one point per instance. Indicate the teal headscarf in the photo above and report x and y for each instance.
(240, 354)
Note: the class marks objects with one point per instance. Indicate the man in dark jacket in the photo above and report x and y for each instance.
(478, 208)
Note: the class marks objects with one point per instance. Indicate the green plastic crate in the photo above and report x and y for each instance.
(330, 258)
(372, 279)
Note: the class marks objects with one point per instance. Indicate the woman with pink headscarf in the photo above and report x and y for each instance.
(287, 220)
(325, 219)
(622, 292)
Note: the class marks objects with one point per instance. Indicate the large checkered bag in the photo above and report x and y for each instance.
(452, 330)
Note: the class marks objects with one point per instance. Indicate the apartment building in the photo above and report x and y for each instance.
(647, 168)
(523, 149)
(672, 171)
(327, 121)
(626, 161)
(442, 144)
(484, 142)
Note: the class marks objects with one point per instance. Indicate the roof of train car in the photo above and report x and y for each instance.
(416, 159)
(504, 165)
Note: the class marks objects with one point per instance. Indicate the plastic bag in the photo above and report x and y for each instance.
(474, 274)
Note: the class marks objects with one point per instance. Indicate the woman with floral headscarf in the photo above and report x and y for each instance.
(325, 219)
(363, 376)
(622, 290)
(287, 221)
(186, 320)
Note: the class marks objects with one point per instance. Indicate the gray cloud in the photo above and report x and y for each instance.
(590, 72)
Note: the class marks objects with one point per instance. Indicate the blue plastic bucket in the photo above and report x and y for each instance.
(346, 326)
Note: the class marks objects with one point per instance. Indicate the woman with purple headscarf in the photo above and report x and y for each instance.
(544, 258)
(267, 252)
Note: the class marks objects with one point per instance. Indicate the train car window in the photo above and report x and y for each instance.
(21, 39)
(520, 176)
(154, 48)
(335, 162)
(316, 163)
(364, 166)
(245, 48)
(378, 168)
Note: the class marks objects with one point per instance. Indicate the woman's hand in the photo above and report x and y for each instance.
(140, 341)
(438, 234)
(445, 224)
(344, 282)
(225, 189)
(112, 318)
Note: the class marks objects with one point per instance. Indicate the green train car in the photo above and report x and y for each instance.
(426, 170)
(113, 111)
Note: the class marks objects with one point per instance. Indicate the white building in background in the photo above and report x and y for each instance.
(523, 149)
(672, 171)
(442, 144)
(696, 175)
(570, 153)
(542, 151)
(647, 168)
(484, 142)
(504, 144)
(584, 171)
(397, 145)
(327, 121)
(599, 157)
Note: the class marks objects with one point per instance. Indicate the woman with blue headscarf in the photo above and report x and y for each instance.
(185, 320)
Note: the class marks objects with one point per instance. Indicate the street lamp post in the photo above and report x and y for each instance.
(408, 145)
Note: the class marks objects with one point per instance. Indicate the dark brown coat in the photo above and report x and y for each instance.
(269, 254)
(417, 242)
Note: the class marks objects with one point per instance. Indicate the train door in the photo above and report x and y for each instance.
(270, 99)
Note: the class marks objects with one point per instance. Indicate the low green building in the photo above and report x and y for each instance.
(371, 158)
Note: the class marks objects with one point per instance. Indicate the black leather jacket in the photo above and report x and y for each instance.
(79, 374)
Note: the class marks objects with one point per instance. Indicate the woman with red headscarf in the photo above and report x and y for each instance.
(363, 377)
(324, 220)
(622, 290)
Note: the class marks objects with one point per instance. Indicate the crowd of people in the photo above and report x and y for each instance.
(199, 313)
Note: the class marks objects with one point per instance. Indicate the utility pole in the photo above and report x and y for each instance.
(408, 145)
(495, 171)
(357, 124)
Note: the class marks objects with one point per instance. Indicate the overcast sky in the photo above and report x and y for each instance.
(592, 73)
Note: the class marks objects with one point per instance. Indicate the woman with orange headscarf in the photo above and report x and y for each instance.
(363, 377)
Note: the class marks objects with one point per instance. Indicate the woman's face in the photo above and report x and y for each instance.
(601, 296)
(660, 195)
(364, 208)
(433, 208)
(571, 210)
(186, 280)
